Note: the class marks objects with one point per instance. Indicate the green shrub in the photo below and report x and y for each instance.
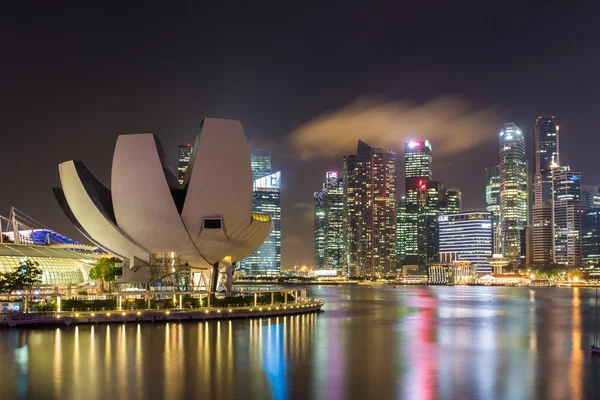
(45, 306)
(83, 305)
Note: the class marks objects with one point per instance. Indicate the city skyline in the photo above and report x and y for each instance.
(262, 73)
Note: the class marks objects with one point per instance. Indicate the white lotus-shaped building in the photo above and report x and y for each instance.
(155, 223)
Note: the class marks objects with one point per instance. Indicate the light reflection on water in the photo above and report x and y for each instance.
(383, 342)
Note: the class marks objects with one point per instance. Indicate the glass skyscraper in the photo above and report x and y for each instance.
(513, 190)
(546, 152)
(373, 227)
(260, 160)
(319, 229)
(566, 215)
(590, 196)
(401, 228)
(492, 201)
(417, 159)
(329, 219)
(350, 223)
(590, 231)
(183, 160)
(266, 199)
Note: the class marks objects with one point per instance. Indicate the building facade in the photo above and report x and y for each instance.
(492, 201)
(467, 236)
(350, 222)
(590, 231)
(417, 160)
(183, 160)
(319, 229)
(266, 192)
(260, 162)
(401, 230)
(566, 215)
(329, 222)
(546, 153)
(590, 196)
(513, 190)
(266, 260)
(373, 226)
(542, 233)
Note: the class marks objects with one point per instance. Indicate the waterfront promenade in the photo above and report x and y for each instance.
(192, 314)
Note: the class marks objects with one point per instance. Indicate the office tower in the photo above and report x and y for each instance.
(373, 226)
(546, 153)
(401, 229)
(266, 191)
(566, 215)
(329, 218)
(183, 160)
(590, 232)
(451, 202)
(433, 204)
(260, 160)
(467, 236)
(513, 190)
(590, 196)
(542, 233)
(350, 227)
(417, 159)
(319, 228)
(492, 201)
(334, 221)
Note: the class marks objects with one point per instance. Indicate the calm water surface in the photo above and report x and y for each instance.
(382, 342)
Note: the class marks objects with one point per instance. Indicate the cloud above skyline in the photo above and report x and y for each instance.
(451, 124)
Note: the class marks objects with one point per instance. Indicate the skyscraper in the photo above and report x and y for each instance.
(334, 221)
(513, 190)
(266, 199)
(590, 196)
(433, 204)
(350, 223)
(492, 201)
(329, 218)
(373, 184)
(400, 229)
(260, 160)
(546, 152)
(183, 160)
(451, 202)
(542, 233)
(590, 231)
(566, 215)
(319, 229)
(417, 159)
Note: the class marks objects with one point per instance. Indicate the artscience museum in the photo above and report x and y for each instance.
(171, 235)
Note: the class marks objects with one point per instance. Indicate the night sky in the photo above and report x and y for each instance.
(306, 80)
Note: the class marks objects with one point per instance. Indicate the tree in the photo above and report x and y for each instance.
(27, 275)
(6, 282)
(106, 270)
